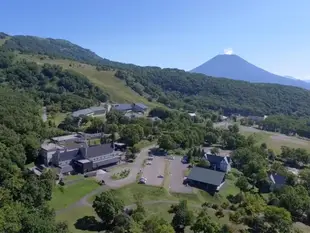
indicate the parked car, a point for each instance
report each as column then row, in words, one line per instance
column 160, row 176
column 142, row 180
column 150, row 158
column 149, row 163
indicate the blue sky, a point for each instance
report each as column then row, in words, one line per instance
column 274, row 35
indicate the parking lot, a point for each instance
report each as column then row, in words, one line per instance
column 153, row 171
column 177, row 169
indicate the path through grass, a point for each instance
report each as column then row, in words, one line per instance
column 72, row 193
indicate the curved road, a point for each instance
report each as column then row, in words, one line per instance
column 109, row 183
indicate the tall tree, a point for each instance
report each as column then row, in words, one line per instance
column 107, row 207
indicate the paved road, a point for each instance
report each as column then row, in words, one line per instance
column 44, row 115
column 131, row 178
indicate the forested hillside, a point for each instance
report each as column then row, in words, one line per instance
column 177, row 88
column 54, row 87
column 23, row 196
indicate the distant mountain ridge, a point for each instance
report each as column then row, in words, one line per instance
column 235, row 67
column 174, row 88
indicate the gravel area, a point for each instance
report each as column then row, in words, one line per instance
column 151, row 172
column 177, row 169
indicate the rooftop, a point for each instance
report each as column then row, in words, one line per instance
column 70, row 137
column 123, row 107
column 143, row 106
column 83, row 161
column 49, row 146
column 278, row 179
column 88, row 111
column 207, row 176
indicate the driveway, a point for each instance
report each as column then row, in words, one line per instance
column 177, row 169
column 151, row 172
column 131, row 178
column 134, row 170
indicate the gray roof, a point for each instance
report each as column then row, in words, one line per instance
column 216, row 159
column 207, row 176
column 108, row 161
column 86, row 111
column 143, row 106
column 69, row 155
column 98, row 150
column 97, row 109
column 82, row 112
column 123, row 107
column 278, row 179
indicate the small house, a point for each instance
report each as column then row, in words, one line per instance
column 219, row 163
column 277, row 181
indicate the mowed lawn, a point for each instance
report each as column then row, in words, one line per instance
column 72, row 193
column 116, row 88
column 71, row 217
column 275, row 141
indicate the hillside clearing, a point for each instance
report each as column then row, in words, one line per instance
column 275, row 141
column 106, row 80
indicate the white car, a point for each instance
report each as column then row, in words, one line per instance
column 142, row 180
column 149, row 163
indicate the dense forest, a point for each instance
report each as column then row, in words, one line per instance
column 23, row 196
column 177, row 88
column 56, row 88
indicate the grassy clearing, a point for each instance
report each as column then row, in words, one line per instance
column 302, row 227
column 106, row 80
column 58, row 118
column 145, row 143
column 73, row 215
column 72, row 177
column 72, row 193
column 161, row 210
column 274, row 141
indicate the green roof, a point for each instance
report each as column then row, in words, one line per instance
column 207, row 176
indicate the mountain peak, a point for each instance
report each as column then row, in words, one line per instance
column 235, row 67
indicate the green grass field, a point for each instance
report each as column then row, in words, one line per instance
column 106, row 80
column 72, row 193
column 274, row 141
column 73, row 215
column 58, row 117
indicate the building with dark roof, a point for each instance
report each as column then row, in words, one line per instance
column 219, row 163
column 84, row 158
column 206, row 179
column 135, row 107
column 277, row 181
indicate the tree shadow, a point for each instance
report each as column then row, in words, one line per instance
column 88, row 223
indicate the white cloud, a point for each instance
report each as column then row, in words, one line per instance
column 228, row 51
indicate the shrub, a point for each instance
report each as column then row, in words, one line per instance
column 224, row 205
column 233, row 207
column 215, row 206
column 219, row 213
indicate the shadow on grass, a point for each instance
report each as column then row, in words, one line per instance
column 88, row 223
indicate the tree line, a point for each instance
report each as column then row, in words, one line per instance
column 23, row 196
column 55, row 87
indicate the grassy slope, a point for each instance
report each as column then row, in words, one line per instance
column 2, row 41
column 106, row 80
column 72, row 193
column 274, row 141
